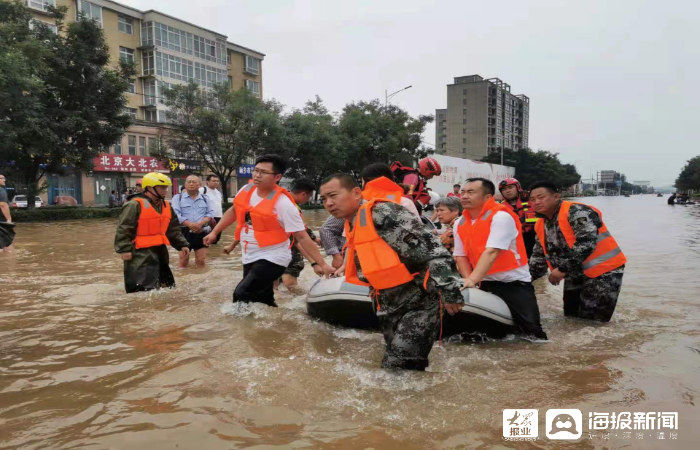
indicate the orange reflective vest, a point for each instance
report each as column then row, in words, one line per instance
column 474, row 238
column 383, row 188
column 152, row 225
column 266, row 227
column 525, row 214
column 607, row 255
column 380, row 264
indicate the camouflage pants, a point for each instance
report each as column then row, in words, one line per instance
column 296, row 265
column 409, row 319
column 593, row 298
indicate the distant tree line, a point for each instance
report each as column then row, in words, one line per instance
column 532, row 166
column 689, row 178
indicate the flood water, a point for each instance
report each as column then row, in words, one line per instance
column 83, row 364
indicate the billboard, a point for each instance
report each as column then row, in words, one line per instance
column 457, row 170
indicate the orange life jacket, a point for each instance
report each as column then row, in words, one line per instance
column 152, row 225
column 380, row 264
column 607, row 255
column 525, row 213
column 474, row 238
column 266, row 227
column 384, row 188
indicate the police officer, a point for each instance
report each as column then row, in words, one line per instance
column 516, row 199
column 574, row 243
column 146, row 225
column 410, row 274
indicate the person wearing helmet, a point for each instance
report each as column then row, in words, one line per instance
column 146, row 225
column 414, row 180
column 516, row 200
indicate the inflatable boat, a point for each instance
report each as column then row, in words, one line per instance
column 338, row 302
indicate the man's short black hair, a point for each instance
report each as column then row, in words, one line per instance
column 279, row 165
column 211, row 175
column 551, row 187
column 346, row 181
column 303, row 185
column 376, row 170
column 456, row 185
column 488, row 185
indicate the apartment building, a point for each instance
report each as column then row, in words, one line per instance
column 482, row 116
column 166, row 51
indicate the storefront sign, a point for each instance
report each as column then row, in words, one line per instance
column 245, row 170
column 106, row 162
column 180, row 166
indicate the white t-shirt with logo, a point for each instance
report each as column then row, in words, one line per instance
column 288, row 217
column 215, row 196
column 502, row 235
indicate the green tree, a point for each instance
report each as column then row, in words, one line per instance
column 689, row 178
column 532, row 166
column 370, row 132
column 220, row 127
column 312, row 142
column 60, row 103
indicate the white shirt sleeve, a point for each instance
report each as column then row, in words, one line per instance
column 409, row 205
column 459, row 246
column 503, row 231
column 289, row 215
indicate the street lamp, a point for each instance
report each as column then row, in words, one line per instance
column 387, row 96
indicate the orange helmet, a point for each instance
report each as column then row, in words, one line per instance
column 429, row 167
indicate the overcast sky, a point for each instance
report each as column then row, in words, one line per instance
column 612, row 84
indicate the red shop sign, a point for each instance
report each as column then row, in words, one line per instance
column 105, row 162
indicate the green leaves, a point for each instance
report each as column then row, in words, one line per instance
column 689, row 178
column 532, row 166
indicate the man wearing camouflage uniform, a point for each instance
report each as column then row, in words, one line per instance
column 410, row 313
column 592, row 275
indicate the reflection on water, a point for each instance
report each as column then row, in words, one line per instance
column 82, row 363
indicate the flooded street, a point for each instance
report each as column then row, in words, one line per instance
column 83, row 364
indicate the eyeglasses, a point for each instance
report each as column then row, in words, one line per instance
column 263, row 172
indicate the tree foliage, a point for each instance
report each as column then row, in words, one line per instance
column 221, row 128
column 370, row 132
column 312, row 142
column 532, row 166
column 689, row 178
column 60, row 104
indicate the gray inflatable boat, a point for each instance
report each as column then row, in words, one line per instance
column 338, row 302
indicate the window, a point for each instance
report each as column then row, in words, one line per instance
column 118, row 147
column 150, row 115
column 152, row 145
column 464, row 101
column 464, row 112
column 464, row 150
column 230, row 82
column 147, row 63
column 33, row 23
column 125, row 24
column 464, row 140
column 132, row 88
column 131, row 112
column 252, row 65
column 132, row 144
column 464, row 121
column 253, row 86
column 41, row 5
column 91, row 11
column 126, row 54
column 142, row 146
column 464, row 131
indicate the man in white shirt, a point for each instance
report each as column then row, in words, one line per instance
column 490, row 252
column 215, row 197
column 266, row 253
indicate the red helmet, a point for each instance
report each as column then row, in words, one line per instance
column 510, row 182
column 429, row 167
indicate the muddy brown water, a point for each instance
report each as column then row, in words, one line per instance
column 83, row 364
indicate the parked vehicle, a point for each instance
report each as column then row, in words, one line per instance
column 20, row 201
column 65, row 200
